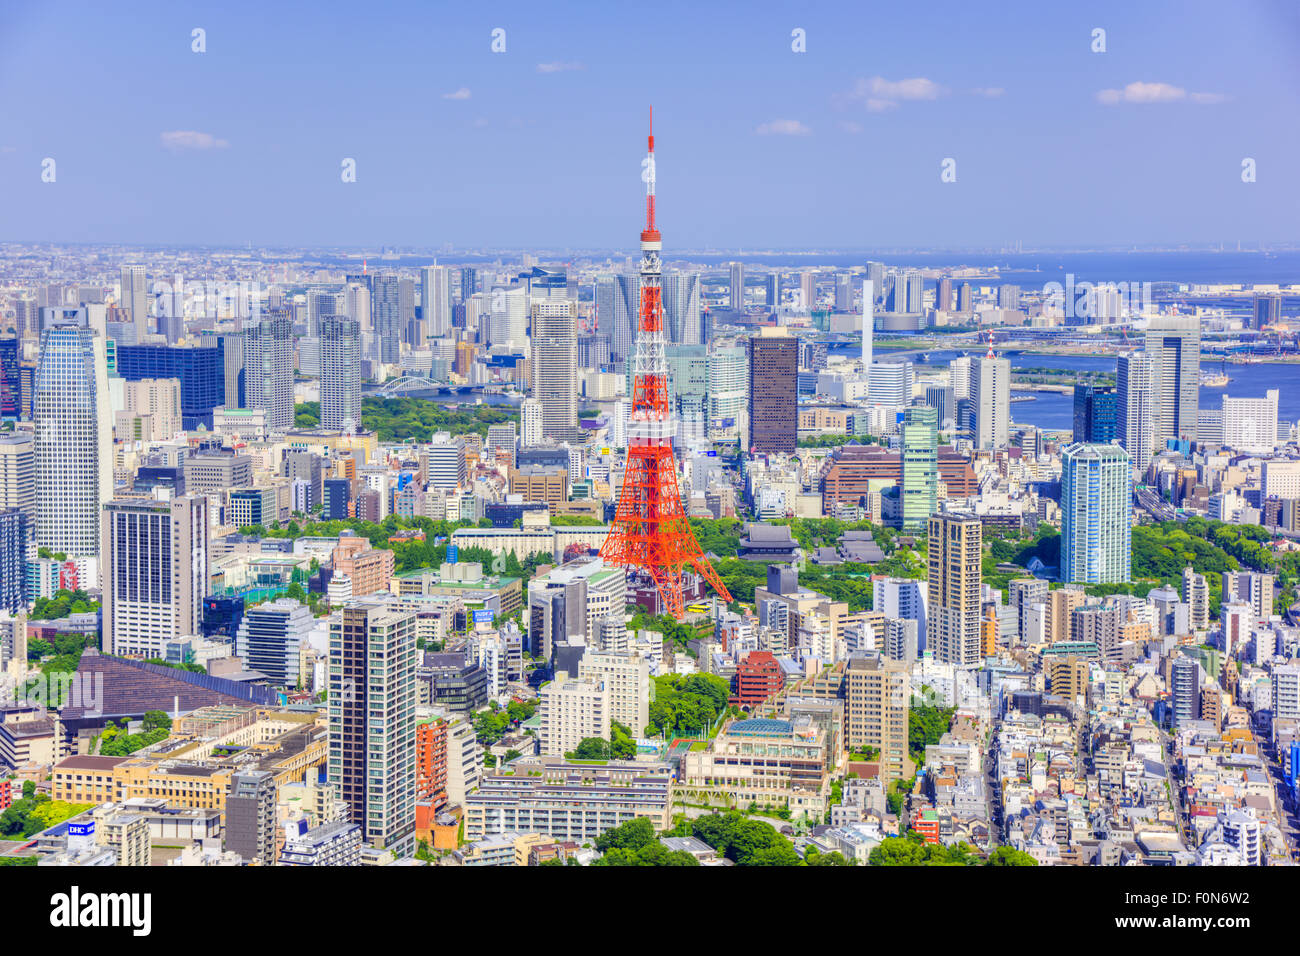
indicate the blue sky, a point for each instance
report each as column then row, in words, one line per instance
column 758, row 147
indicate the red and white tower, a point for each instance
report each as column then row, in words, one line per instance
column 650, row 533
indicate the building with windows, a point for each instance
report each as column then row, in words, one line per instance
column 155, row 573
column 773, row 392
column 953, row 626
column 270, row 637
column 1096, row 514
column 268, row 368
column 201, row 371
column 340, row 373
column 919, row 488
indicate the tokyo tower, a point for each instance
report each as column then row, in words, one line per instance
column 650, row 533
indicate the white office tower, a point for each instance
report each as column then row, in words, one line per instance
column 959, row 377
column 530, row 423
column 618, row 424
column 357, row 305
column 577, row 463
column 555, row 366
column 868, row 321
column 626, row 677
column 268, row 368
column 890, row 383
column 618, row 308
column 155, row 573
column 435, row 300
column 844, row 293
column 510, row 318
column 1250, row 424
column 1134, row 424
column 135, row 299
column 990, row 392
column 340, row 373
column 902, row 599
column 737, row 285
column 1174, row 344
column 73, row 441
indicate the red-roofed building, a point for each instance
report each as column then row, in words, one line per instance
column 758, row 677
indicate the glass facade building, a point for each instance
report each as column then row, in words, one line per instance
column 1096, row 503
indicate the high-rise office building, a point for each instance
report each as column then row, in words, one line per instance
column 773, row 392
column 877, row 695
column 270, row 639
column 943, row 294
column 808, row 291
column 372, row 695
column 1185, row 690
column 1009, row 297
column 73, row 441
column 1174, row 344
column 386, row 316
column 1095, row 414
column 155, row 573
column 1096, row 508
column 530, row 423
column 990, row 392
column 683, row 318
column 1134, row 407
column 772, row 290
column 435, row 300
column 953, row 626
column 468, row 282
column 201, row 370
column 965, row 301
column 1250, row 424
column 18, row 473
column 10, row 379
column 340, row 373
column 17, row 535
column 920, row 462
column 555, row 366
column 844, row 292
column 1267, row 311
column 251, row 816
column 135, row 299
column 268, row 368
column 890, row 383
column 737, row 285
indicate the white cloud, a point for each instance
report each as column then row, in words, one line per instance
column 1139, row 92
column 558, row 67
column 460, row 94
column 877, row 94
column 783, row 128
column 178, row 139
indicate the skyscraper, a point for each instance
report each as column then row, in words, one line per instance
column 953, row 624
column 868, row 323
column 683, row 319
column 920, row 462
column 737, row 285
column 1095, row 414
column 18, row 474
column 530, row 423
column 990, row 392
column 1174, row 344
column 16, row 538
column 555, row 366
column 1134, row 425
column 270, row 639
column 135, row 299
column 386, row 315
column 1096, row 503
column 250, row 816
column 808, row 290
column 943, row 294
column 268, row 367
column 340, row 373
column 73, row 441
column 773, row 391
column 202, row 373
column 1267, row 311
column 964, row 300
column 372, row 722
column 155, row 573
column 435, row 300
column 772, row 290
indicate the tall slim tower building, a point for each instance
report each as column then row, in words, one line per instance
column 773, row 391
column 435, row 300
column 1096, row 504
column 868, row 322
column 340, row 373
column 555, row 366
column 72, row 441
column 268, row 367
column 990, row 392
column 920, row 450
column 386, row 314
column 1134, row 407
column 250, row 816
column 1174, row 344
column 737, row 285
column 372, row 722
column 135, row 299
column 155, row 573
column 683, row 320
column 18, row 474
column 953, row 623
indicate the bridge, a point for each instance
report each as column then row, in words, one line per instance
column 410, row 383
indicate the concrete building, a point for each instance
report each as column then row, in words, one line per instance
column 954, row 588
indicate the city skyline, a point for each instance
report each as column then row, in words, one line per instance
column 844, row 142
